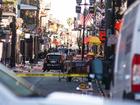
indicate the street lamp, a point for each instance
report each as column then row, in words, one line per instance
column 78, row 10
column 13, row 42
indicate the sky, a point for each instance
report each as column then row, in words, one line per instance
column 63, row 9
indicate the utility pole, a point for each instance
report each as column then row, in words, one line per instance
column 0, row 9
column 13, row 42
column 78, row 10
column 108, row 19
column 0, row 12
column 83, row 36
column 36, row 36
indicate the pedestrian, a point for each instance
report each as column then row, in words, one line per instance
column 45, row 65
column 90, row 58
column 45, row 53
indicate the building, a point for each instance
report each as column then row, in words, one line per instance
column 8, row 8
column 28, row 10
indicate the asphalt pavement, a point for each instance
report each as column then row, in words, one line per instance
column 49, row 85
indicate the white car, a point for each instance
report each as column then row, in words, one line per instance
column 126, row 82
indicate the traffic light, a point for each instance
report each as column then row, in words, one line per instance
column 18, row 6
column 78, row 9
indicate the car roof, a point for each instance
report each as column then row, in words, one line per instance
column 61, row 98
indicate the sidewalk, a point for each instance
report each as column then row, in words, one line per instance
column 21, row 68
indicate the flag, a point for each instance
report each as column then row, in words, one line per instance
column 88, row 18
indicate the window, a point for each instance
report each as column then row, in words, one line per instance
column 54, row 57
column 16, row 86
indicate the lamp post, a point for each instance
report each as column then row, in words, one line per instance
column 13, row 43
column 78, row 10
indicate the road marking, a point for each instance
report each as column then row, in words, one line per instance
column 49, row 75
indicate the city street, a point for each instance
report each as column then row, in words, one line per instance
column 76, row 46
column 48, row 85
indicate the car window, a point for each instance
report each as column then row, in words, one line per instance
column 54, row 57
column 15, row 86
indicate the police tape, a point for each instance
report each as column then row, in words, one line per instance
column 49, row 75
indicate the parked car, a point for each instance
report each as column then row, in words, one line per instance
column 53, row 61
column 126, row 82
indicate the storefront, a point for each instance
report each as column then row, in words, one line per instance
column 8, row 12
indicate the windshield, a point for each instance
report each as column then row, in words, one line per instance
column 17, row 87
column 54, row 57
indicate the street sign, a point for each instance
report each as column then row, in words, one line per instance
column 78, row 9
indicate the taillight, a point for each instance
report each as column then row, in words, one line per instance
column 136, row 74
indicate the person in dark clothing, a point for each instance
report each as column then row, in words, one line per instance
column 108, row 72
column 90, row 58
column 44, row 65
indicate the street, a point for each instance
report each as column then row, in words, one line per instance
column 48, row 85
column 51, row 84
column 76, row 46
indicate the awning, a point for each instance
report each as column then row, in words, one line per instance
column 28, row 7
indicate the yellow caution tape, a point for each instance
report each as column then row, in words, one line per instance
column 49, row 75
